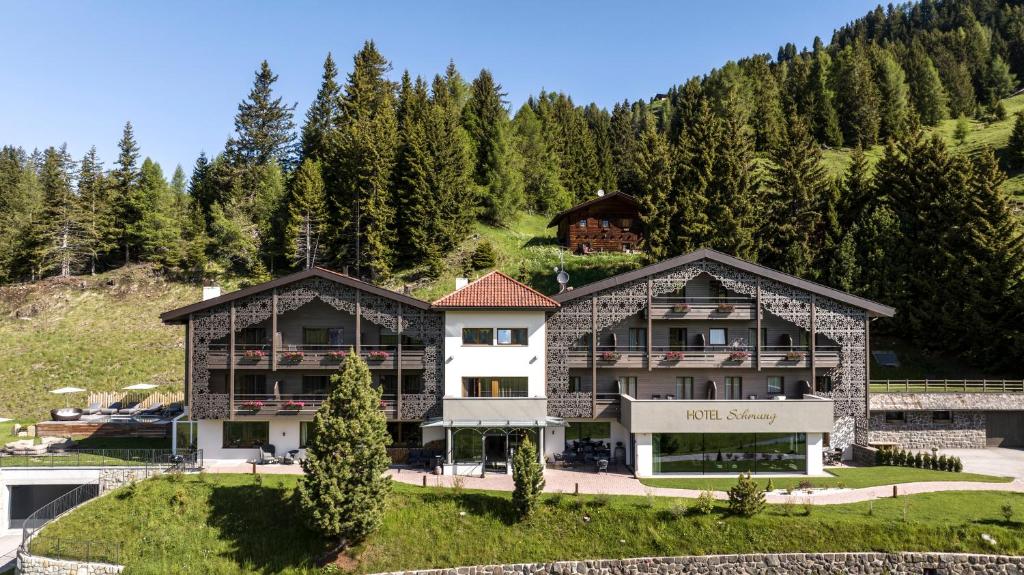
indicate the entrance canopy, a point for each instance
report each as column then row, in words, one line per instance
column 547, row 422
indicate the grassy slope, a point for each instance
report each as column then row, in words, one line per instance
column 851, row 477
column 228, row 524
column 995, row 135
column 99, row 333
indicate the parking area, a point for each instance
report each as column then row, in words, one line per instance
column 991, row 460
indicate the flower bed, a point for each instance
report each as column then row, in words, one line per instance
column 726, row 308
column 674, row 356
column 254, row 354
column 337, row 355
column 794, row 355
column 292, row 356
column 739, row 355
column 611, row 356
column 681, row 308
column 378, row 355
column 293, row 405
column 252, row 405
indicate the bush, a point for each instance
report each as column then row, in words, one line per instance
column 919, row 460
column 1007, row 511
column 926, row 461
column 770, row 486
column 528, row 477
column 705, row 503
column 483, row 256
column 746, row 498
column 943, row 463
column 958, row 465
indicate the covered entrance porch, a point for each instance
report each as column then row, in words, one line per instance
column 478, row 448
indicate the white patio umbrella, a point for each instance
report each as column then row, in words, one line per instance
column 5, row 419
column 140, row 386
column 65, row 391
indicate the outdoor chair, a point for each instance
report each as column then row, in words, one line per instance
column 267, row 456
column 602, row 465
column 131, row 409
column 151, row 412
column 111, row 409
column 93, row 409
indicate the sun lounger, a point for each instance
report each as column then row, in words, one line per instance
column 93, row 409
column 132, row 409
column 111, row 409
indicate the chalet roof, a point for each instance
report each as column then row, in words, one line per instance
column 874, row 308
column 599, row 199
column 496, row 291
column 181, row 314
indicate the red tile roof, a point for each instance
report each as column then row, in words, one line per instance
column 496, row 291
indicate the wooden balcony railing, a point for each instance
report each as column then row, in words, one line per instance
column 706, row 357
column 296, row 404
column 704, row 308
column 314, row 356
column 947, row 386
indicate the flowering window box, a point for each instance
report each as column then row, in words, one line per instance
column 378, row 355
column 252, row 405
column 293, row 405
column 739, row 356
column 337, row 355
column 726, row 308
column 794, row 355
column 253, row 354
column 610, row 356
column 292, row 356
column 674, row 356
column 681, row 308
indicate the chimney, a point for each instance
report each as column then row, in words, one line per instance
column 461, row 283
column 406, row 289
column 210, row 292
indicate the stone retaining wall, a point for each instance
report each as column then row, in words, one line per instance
column 921, row 431
column 790, row 563
column 947, row 401
column 33, row 565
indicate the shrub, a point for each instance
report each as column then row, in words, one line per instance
column 746, row 498
column 1007, row 511
column 679, row 510
column 958, row 465
column 705, row 503
column 483, row 256
column 528, row 477
column 804, row 484
column 943, row 463
column 770, row 486
column 808, row 507
column 926, row 461
column 919, row 460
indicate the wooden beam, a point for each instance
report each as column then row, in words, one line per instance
column 593, row 356
column 398, row 366
column 813, row 342
column 650, row 325
column 231, row 364
column 757, row 334
column 189, row 352
column 359, row 327
column 273, row 332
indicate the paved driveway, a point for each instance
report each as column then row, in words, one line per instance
column 991, row 460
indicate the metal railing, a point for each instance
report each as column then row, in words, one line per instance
column 947, row 386
column 65, row 548
column 102, row 458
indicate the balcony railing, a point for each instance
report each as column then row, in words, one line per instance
column 708, row 356
column 314, row 356
column 947, row 386
column 732, row 308
column 296, row 404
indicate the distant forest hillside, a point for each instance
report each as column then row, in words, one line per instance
column 389, row 180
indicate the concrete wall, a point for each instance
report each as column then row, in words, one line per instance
column 10, row 477
column 761, row 564
column 284, row 436
column 663, row 381
column 494, row 360
column 921, row 431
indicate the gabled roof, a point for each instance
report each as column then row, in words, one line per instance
column 495, row 291
column 599, row 199
column 181, row 314
column 874, row 308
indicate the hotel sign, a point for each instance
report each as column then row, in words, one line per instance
column 810, row 415
column 768, row 417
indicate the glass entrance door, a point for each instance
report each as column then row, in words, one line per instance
column 496, row 453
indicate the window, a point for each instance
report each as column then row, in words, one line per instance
column 677, row 338
column 605, row 224
column 637, row 338
column 252, row 336
column 718, row 291
column 494, row 386
column 764, row 336
column 716, row 336
column 582, row 223
column 251, row 384
column 305, row 433
column 626, row 223
column 512, row 336
column 315, row 384
column 627, row 385
column 729, row 452
column 575, row 384
column 823, row 383
column 588, row 430
column 803, row 338
column 895, row 417
column 336, row 336
column 942, row 416
column 314, row 336
column 245, row 434
column 412, row 383
column 684, row 388
column 776, row 385
column 734, row 388
column 389, row 384
column 477, row 336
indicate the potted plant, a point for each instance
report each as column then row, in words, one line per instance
column 292, row 356
column 292, row 405
column 726, row 308
column 337, row 355
column 610, row 356
column 379, row 355
column 681, row 308
column 252, row 405
column 739, row 355
column 253, row 354
column 794, row 355
column 674, row 356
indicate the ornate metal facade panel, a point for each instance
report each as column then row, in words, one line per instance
column 215, row 323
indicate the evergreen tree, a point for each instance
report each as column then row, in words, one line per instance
column 736, row 185
column 418, row 204
column 97, row 216
column 129, row 206
column 857, row 98
column 453, row 208
column 159, row 229
column 57, row 237
column 541, row 167
column 264, row 130
column 894, row 94
column 962, row 130
column 695, row 160
column 496, row 166
column 599, row 125
column 199, row 186
column 656, row 172
column 21, row 203
column 1014, row 151
column 345, row 487
column 766, row 117
column 623, row 148
column 307, row 215
column 926, row 90
column 857, row 190
column 528, row 478
column 999, row 81
column 319, row 130
column 824, row 117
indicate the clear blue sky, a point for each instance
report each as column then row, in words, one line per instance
column 75, row 71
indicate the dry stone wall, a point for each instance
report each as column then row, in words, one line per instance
column 947, row 401
column 920, row 430
column 34, row 565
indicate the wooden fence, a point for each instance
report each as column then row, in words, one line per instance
column 947, row 386
column 147, row 398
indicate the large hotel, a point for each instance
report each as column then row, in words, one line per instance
column 703, row 363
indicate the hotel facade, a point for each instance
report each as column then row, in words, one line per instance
column 700, row 364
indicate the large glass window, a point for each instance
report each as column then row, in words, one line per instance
column 314, row 336
column 494, row 387
column 775, row 385
column 512, row 336
column 245, row 434
column 684, row 387
column 730, row 453
column 315, row 384
column 677, row 338
column 251, row 384
column 716, row 336
column 477, row 336
column 468, row 446
column 252, row 336
column 588, row 431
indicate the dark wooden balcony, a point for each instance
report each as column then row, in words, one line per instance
column 706, row 308
column 675, row 357
column 306, row 404
column 313, row 357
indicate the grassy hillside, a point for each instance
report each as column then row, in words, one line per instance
column 994, row 135
column 100, row 333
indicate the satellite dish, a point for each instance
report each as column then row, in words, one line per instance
column 600, row 193
column 563, row 278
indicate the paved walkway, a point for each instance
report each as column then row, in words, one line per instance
column 567, row 481
column 9, row 543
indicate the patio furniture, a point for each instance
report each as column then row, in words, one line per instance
column 93, row 409
column 602, row 465
column 131, row 409
column 267, row 456
column 151, row 413
column 111, row 409
column 66, row 414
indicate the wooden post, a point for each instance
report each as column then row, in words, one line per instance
column 593, row 357
column 398, row 365
column 813, row 343
column 757, row 335
column 359, row 328
column 273, row 332
column 650, row 325
column 231, row 366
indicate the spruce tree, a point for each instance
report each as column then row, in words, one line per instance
column 894, row 94
column 999, row 81
column 766, row 118
column 159, row 230
column 731, row 198
column 97, row 216
column 318, row 132
column 926, row 90
column 58, row 234
column 824, row 118
column 307, row 215
column 1014, row 152
column 418, row 204
column 264, row 129
column 496, row 171
column 528, row 478
column 129, row 206
column 623, row 147
column 345, row 487
column 656, row 172
column 453, row 209
column 857, row 99
column 599, row 125
column 696, row 155
column 541, row 166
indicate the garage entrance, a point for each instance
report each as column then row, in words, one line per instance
column 26, row 499
column 1004, row 429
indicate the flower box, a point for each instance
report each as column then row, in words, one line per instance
column 337, row 355
column 378, row 355
column 739, row 355
column 254, row 354
column 794, row 355
column 674, row 356
column 292, row 356
column 681, row 308
column 293, row 405
column 726, row 308
column 611, row 356
column 252, row 405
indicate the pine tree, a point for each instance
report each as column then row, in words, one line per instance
column 656, row 172
column 623, row 148
column 1014, row 151
column 857, row 98
column 766, row 118
column 129, row 206
column 695, row 160
column 599, row 125
column 57, row 236
column 528, row 478
column 21, row 203
column 926, row 90
column 97, row 216
column 736, row 185
column 307, row 215
column 894, row 94
column 857, row 189
column 999, row 81
column 159, row 230
column 318, row 132
column 453, row 208
column 264, row 130
column 496, row 171
column 345, row 487
column 418, row 213
column 962, row 130
column 824, row 118
column 541, row 167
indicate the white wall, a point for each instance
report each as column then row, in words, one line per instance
column 284, row 436
column 39, row 476
column 494, row 360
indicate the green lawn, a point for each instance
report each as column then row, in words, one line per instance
column 851, row 477
column 229, row 524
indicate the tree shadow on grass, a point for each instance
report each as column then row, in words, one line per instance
column 539, row 241
column 264, row 528
column 480, row 504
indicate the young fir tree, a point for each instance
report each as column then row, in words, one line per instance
column 999, row 81
column 345, row 487
column 926, row 90
column 129, row 205
column 159, row 230
column 264, row 130
column 1014, row 152
column 496, row 171
column 528, row 478
column 656, row 172
column 58, row 232
column 962, row 130
column 318, row 132
column 94, row 199
column 894, row 94
column 307, row 215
